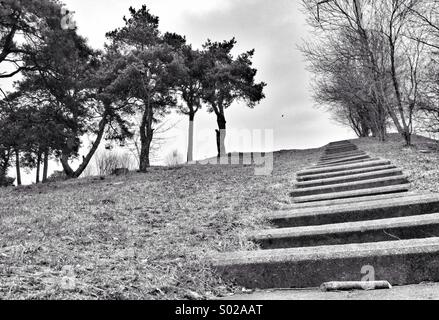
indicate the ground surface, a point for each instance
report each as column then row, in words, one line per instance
column 423, row 172
column 422, row 169
column 418, row 292
column 146, row 236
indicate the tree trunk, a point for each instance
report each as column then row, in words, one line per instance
column 408, row 138
column 66, row 167
column 17, row 166
column 146, row 135
column 86, row 160
column 373, row 67
column 5, row 157
column 221, row 135
column 190, row 149
column 46, row 165
column 38, row 167
column 403, row 128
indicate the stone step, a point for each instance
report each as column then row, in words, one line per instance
column 332, row 151
column 401, row 228
column 329, row 165
column 350, row 186
column 346, row 159
column 340, row 146
column 353, row 194
column 399, row 262
column 350, row 178
column 409, row 205
column 339, row 142
column 330, row 203
column 344, row 173
column 345, row 167
column 343, row 155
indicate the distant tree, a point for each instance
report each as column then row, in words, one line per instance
column 190, row 83
column 228, row 80
column 33, row 130
column 386, row 38
column 78, row 80
column 148, row 71
column 343, row 84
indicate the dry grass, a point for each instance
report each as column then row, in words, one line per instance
column 145, row 236
column 422, row 169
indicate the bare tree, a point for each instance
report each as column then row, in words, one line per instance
column 384, row 40
column 344, row 83
column 428, row 21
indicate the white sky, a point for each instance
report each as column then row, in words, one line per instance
column 274, row 28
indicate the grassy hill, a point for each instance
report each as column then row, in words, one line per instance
column 146, row 236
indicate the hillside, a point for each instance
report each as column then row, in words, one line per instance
column 145, row 236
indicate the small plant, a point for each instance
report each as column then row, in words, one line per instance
column 108, row 163
column 57, row 176
column 174, row 159
column 6, row 182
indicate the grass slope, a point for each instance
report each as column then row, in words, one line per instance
column 422, row 169
column 146, row 236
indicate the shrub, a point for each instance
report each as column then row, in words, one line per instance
column 57, row 176
column 174, row 159
column 6, row 181
column 107, row 163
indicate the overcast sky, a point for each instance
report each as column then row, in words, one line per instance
column 274, row 28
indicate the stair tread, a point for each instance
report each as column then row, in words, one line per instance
column 397, row 247
column 362, row 184
column 329, row 165
column 353, row 194
column 349, row 227
column 342, row 207
column 360, row 177
column 340, row 174
column 364, row 205
column 359, row 157
column 345, row 167
column 331, row 203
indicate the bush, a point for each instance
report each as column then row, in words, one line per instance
column 174, row 159
column 107, row 163
column 6, row 182
column 57, row 176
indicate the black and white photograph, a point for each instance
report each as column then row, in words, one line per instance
column 221, row 155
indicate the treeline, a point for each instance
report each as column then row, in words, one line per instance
column 68, row 90
column 375, row 63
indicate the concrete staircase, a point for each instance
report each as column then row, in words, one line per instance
column 351, row 211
